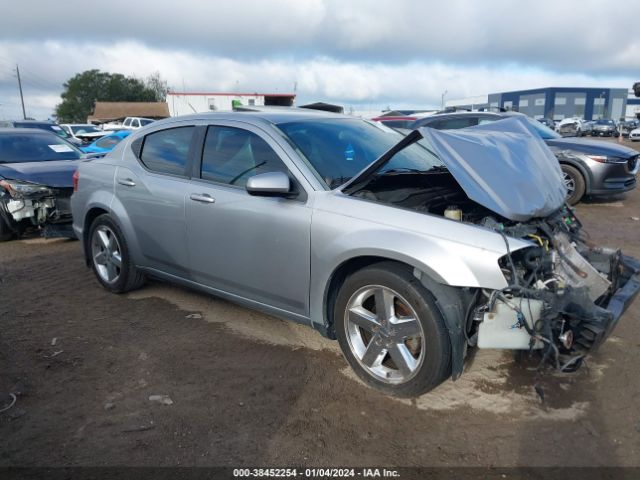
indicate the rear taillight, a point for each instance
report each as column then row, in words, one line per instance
column 76, row 179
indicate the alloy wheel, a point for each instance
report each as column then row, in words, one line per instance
column 106, row 253
column 384, row 334
column 569, row 183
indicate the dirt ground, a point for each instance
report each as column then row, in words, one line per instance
column 248, row 389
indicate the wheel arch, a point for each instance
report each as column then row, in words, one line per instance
column 450, row 301
column 119, row 215
column 89, row 218
column 584, row 171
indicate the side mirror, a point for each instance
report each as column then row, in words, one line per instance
column 270, row 184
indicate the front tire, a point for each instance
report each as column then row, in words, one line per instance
column 574, row 182
column 391, row 331
column 109, row 256
column 6, row 232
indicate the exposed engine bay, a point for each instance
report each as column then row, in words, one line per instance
column 25, row 205
column 564, row 294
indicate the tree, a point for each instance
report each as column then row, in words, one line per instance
column 155, row 83
column 636, row 89
column 84, row 89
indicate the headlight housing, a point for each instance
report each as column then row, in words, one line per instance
column 18, row 189
column 606, row 159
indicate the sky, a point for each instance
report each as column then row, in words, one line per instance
column 363, row 54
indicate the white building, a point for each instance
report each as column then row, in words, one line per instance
column 185, row 103
column 633, row 106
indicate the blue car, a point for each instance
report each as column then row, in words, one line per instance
column 105, row 144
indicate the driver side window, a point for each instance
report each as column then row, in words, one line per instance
column 233, row 155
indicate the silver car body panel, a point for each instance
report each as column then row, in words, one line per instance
column 504, row 166
column 302, row 242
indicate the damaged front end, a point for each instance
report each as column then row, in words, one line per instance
column 565, row 294
column 26, row 205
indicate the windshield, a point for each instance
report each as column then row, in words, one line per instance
column 604, row 122
column 339, row 149
column 545, row 132
column 80, row 129
column 35, row 148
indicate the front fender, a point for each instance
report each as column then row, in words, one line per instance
column 466, row 257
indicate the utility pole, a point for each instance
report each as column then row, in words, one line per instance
column 442, row 99
column 24, row 115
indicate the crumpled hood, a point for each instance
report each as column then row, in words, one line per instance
column 591, row 147
column 56, row 173
column 504, row 166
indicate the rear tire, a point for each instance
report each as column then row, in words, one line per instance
column 405, row 351
column 110, row 258
column 574, row 181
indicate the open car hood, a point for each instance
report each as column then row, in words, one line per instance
column 503, row 165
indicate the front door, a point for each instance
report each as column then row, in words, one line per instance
column 254, row 247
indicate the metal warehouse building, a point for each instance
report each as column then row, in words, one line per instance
column 555, row 102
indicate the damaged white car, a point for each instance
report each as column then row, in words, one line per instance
column 408, row 251
column 36, row 182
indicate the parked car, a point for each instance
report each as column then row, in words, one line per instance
column 36, row 170
column 547, row 122
column 571, row 127
column 129, row 123
column 625, row 128
column 587, row 126
column 106, row 143
column 634, row 135
column 83, row 132
column 396, row 122
column 410, row 250
column 46, row 125
column 604, row 128
column 589, row 167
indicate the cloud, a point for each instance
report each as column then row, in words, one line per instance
column 375, row 84
column 580, row 35
column 359, row 52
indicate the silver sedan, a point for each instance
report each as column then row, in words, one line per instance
column 410, row 251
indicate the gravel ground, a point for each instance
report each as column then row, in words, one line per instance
column 248, row 389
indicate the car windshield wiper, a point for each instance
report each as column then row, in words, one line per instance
column 398, row 171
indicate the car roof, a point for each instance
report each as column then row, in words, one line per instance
column 476, row 112
column 30, row 131
column 267, row 116
column 33, row 122
column 382, row 119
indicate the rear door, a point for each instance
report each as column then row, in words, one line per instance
column 250, row 246
column 152, row 188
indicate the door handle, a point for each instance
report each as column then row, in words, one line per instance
column 127, row 182
column 203, row 198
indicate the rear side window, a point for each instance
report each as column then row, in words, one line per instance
column 232, row 155
column 167, row 151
